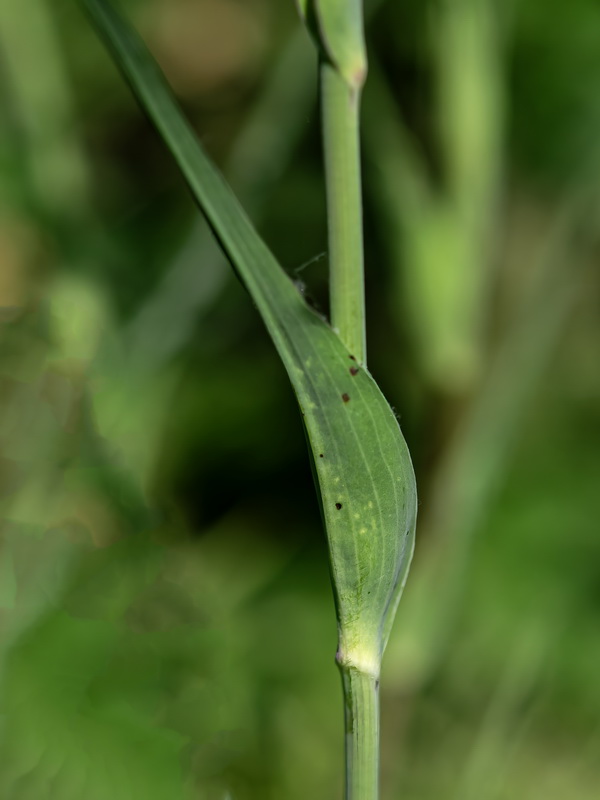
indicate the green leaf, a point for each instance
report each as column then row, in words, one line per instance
column 361, row 460
column 338, row 27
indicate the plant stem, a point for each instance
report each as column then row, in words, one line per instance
column 361, row 696
column 341, row 139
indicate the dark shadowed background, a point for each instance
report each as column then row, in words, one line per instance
column 167, row 622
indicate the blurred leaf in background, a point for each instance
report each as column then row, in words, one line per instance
column 167, row 623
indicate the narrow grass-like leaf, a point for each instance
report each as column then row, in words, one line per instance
column 363, row 466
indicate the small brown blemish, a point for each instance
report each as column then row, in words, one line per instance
column 353, row 371
column 346, row 397
column 338, row 506
column 352, row 357
column 321, row 455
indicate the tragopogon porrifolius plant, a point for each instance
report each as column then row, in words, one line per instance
column 363, row 470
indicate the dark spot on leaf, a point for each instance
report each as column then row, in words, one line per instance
column 353, row 371
column 352, row 357
column 377, row 685
column 320, row 455
column 338, row 506
column 346, row 397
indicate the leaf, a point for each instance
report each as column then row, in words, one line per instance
column 337, row 26
column 361, row 460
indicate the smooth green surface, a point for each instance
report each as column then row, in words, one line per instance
column 361, row 693
column 362, row 462
column 341, row 141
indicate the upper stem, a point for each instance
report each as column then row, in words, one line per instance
column 361, row 696
column 341, row 139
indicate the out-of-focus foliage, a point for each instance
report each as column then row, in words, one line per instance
column 166, row 617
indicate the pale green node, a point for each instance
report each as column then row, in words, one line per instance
column 338, row 28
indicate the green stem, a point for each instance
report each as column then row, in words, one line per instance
column 341, row 139
column 361, row 696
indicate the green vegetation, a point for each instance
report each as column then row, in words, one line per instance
column 364, row 473
column 167, row 624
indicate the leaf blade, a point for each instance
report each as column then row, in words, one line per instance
column 362, row 463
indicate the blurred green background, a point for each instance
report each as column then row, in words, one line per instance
column 167, row 622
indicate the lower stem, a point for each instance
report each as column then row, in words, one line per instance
column 361, row 699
